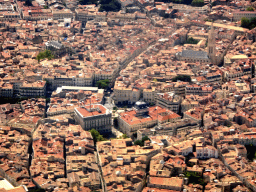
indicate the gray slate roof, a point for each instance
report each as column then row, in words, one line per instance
column 194, row 54
column 54, row 44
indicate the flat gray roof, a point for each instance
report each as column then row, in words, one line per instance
column 5, row 184
column 94, row 89
column 194, row 54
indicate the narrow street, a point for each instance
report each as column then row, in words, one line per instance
column 116, row 132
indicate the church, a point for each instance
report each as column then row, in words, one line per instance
column 201, row 56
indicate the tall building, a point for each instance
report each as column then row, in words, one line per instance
column 212, row 46
column 94, row 116
column 144, row 117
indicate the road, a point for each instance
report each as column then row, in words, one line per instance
column 109, row 103
column 116, row 132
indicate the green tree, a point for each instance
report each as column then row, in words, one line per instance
column 115, row 122
column 36, row 190
column 28, row 3
column 151, row 104
column 249, row 9
column 228, row 123
column 197, row 3
column 110, row 5
column 145, row 138
column 213, row 3
column 44, row 54
column 96, row 136
column 251, row 152
column 245, row 22
column 142, row 141
column 139, row 142
column 88, row 2
column 194, row 178
column 185, row 78
column 124, row 136
column 191, row 40
column 102, row 84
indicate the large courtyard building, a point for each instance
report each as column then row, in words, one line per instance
column 201, row 56
column 94, row 116
column 193, row 56
column 169, row 101
column 144, row 117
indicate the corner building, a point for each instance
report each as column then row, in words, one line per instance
column 94, row 116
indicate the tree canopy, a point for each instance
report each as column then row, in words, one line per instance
column 251, row 152
column 96, row 136
column 248, row 23
column 197, row 3
column 109, row 5
column 102, row 84
column 36, row 190
column 249, row 9
column 28, row 3
column 88, row 2
column 185, row 78
column 187, row 2
column 141, row 142
column 124, row 136
column 194, row 178
column 191, row 40
column 45, row 54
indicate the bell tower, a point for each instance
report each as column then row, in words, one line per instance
column 211, row 46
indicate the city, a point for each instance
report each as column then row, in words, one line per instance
column 127, row 95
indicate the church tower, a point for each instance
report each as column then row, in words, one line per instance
column 211, row 46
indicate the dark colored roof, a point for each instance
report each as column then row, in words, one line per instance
column 194, row 54
column 140, row 105
column 54, row 44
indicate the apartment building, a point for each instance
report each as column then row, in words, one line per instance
column 9, row 16
column 63, row 80
column 149, row 95
column 238, row 15
column 89, row 12
column 62, row 14
column 237, row 69
column 178, row 87
column 106, row 74
column 169, row 100
column 125, row 156
column 171, row 183
column 36, row 89
column 195, row 114
column 189, row 9
column 36, row 13
column 201, row 90
column 213, row 77
column 188, row 104
column 179, row 127
column 125, row 93
column 7, row 90
column 206, row 152
column 94, row 116
column 144, row 117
